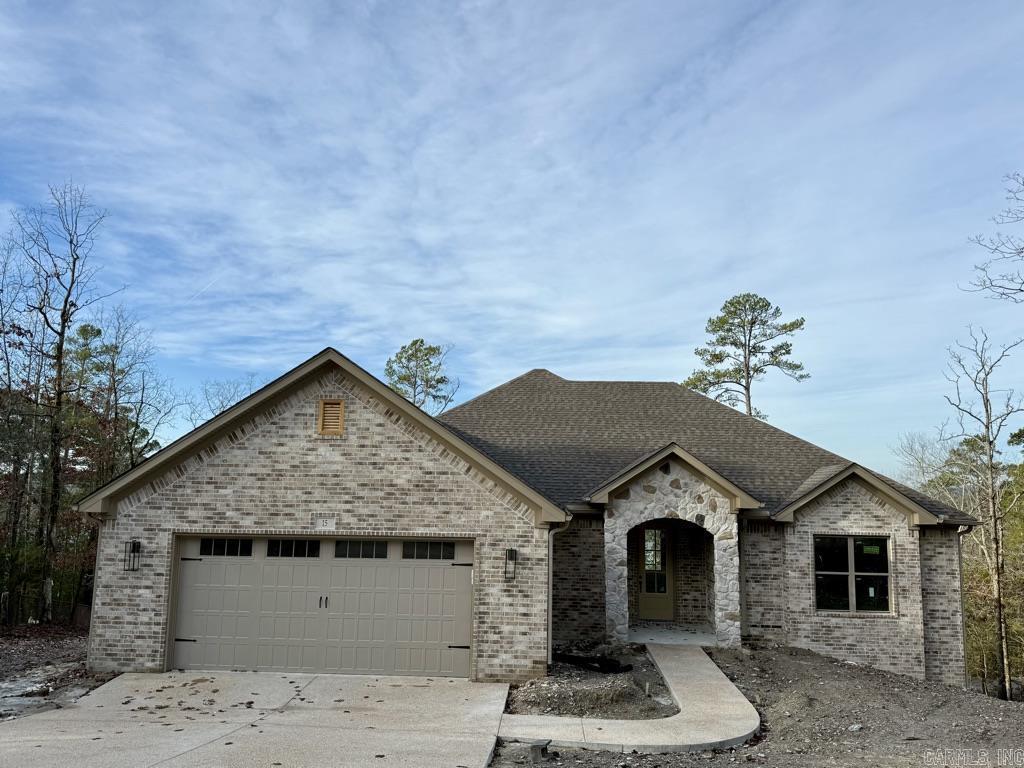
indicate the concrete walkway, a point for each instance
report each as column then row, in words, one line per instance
column 713, row 714
column 248, row 719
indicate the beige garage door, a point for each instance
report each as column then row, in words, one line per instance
column 359, row 606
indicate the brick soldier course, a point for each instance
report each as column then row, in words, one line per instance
column 568, row 475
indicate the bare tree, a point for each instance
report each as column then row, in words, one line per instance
column 1001, row 275
column 217, row 395
column 983, row 414
column 56, row 241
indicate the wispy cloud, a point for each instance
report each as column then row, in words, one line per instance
column 574, row 186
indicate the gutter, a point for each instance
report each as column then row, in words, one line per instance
column 552, row 530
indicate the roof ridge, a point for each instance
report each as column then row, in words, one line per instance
column 500, row 386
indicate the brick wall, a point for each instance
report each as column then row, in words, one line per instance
column 272, row 473
column 893, row 641
column 762, row 568
column 577, row 590
column 942, row 605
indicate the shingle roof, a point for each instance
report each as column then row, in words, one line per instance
column 564, row 438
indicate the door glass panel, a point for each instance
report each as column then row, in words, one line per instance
column 653, row 560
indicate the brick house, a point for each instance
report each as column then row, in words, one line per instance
column 326, row 524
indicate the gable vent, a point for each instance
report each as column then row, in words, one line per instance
column 331, row 419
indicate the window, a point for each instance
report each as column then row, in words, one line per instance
column 355, row 548
column 226, row 547
column 331, row 417
column 851, row 573
column 655, row 578
column 428, row 550
column 293, row 548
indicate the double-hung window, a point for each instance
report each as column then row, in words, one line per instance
column 851, row 573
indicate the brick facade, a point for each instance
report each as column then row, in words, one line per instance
column 942, row 606
column 922, row 636
column 272, row 474
column 577, row 588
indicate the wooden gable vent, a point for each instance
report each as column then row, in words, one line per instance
column 331, row 419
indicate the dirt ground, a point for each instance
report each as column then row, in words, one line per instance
column 42, row 667
column 818, row 712
column 571, row 690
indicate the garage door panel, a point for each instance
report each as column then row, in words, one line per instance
column 364, row 614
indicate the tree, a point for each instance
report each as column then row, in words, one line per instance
column 56, row 241
column 983, row 413
column 747, row 339
column 1001, row 275
column 955, row 471
column 217, row 395
column 417, row 372
column 80, row 402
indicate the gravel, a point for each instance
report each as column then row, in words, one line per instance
column 570, row 690
column 817, row 711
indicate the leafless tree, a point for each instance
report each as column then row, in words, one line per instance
column 56, row 242
column 1001, row 275
column 983, row 413
column 217, row 395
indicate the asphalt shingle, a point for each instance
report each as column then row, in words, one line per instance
column 564, row 438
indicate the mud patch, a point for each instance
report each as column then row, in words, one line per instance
column 573, row 691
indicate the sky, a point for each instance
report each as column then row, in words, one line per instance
column 574, row 186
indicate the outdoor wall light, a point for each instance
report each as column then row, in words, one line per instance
column 132, row 553
column 510, row 564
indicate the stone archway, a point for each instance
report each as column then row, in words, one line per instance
column 672, row 491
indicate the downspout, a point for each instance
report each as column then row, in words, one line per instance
column 552, row 530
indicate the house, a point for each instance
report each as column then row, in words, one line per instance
column 324, row 523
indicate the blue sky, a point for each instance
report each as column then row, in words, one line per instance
column 575, row 186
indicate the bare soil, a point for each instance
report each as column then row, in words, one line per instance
column 42, row 667
column 571, row 690
column 816, row 712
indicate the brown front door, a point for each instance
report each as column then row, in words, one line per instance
column 656, row 577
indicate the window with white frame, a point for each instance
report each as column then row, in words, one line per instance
column 851, row 573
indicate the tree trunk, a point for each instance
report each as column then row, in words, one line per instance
column 1003, row 655
column 56, row 475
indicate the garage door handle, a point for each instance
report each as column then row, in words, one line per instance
column 184, row 640
column 464, row 565
column 465, row 647
column 327, row 601
column 321, row 601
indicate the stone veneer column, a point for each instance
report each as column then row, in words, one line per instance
column 678, row 494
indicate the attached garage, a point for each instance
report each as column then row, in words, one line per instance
column 348, row 605
column 322, row 524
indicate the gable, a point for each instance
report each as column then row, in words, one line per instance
column 852, row 473
column 252, row 421
column 736, row 496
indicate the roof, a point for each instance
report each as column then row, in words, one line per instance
column 98, row 500
column 567, row 438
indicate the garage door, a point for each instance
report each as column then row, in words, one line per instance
column 361, row 606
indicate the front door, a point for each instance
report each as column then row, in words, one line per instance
column 656, row 577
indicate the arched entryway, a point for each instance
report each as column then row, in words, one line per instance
column 697, row 526
column 671, row 575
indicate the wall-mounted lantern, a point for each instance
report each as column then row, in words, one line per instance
column 132, row 554
column 510, row 564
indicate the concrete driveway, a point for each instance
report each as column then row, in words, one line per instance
column 253, row 720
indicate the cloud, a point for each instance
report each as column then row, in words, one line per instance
column 573, row 186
